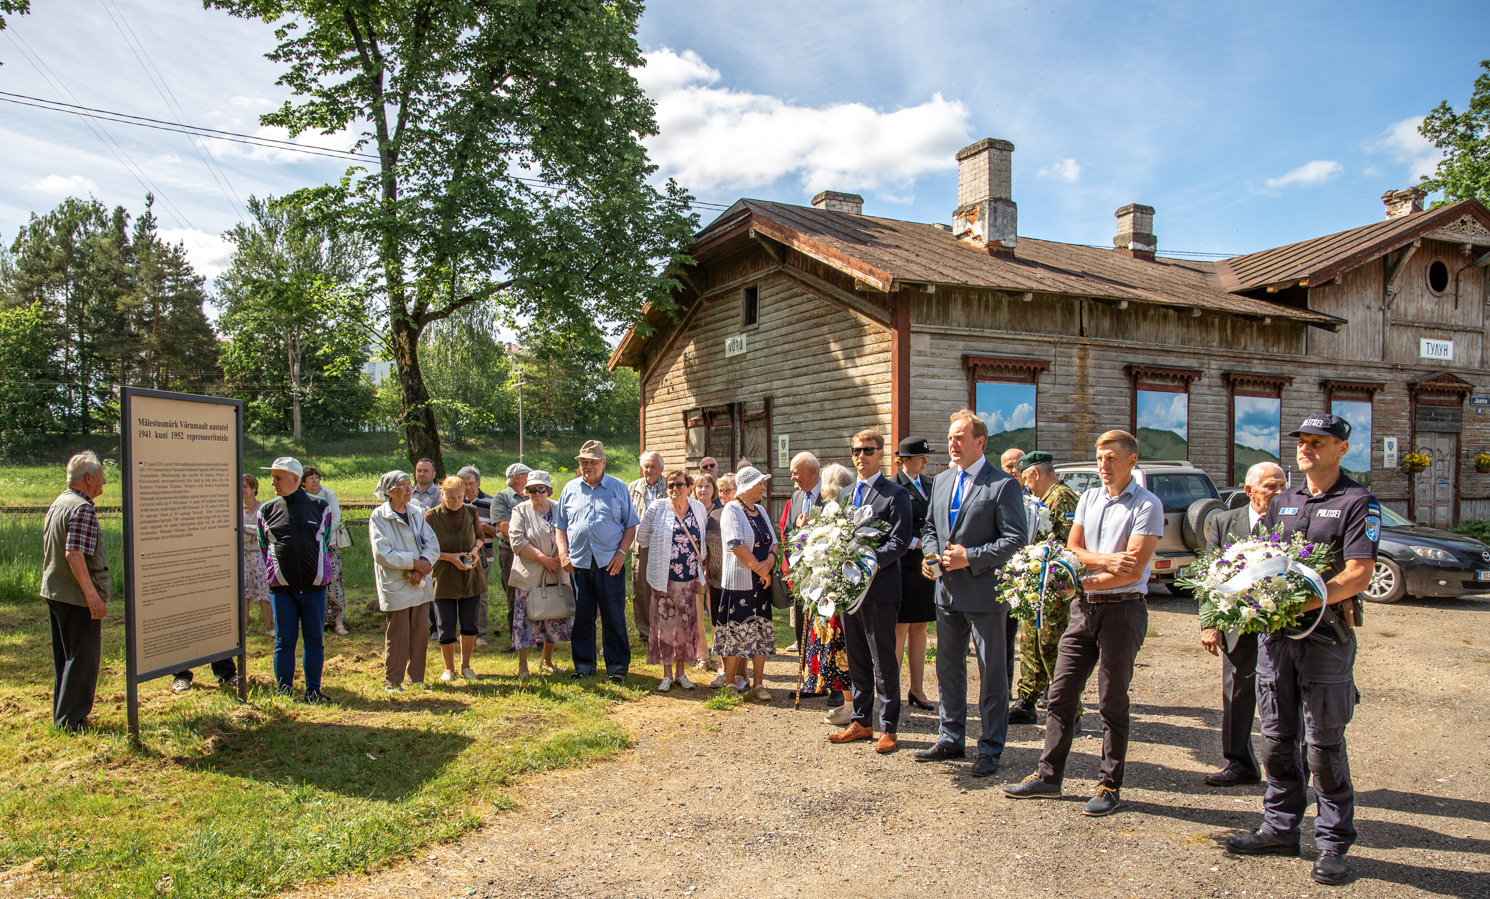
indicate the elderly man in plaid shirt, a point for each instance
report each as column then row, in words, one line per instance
column 75, row 583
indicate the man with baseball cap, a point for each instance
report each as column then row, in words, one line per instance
column 1313, row 671
column 596, row 525
column 1039, row 646
column 295, row 536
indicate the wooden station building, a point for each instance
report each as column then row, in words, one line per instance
column 801, row 325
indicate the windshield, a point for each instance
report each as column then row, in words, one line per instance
column 1178, row 491
column 1395, row 520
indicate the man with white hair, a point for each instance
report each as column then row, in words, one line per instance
column 645, row 491
column 1239, row 651
column 75, row 583
column 807, row 477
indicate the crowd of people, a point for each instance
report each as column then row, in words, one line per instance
column 704, row 552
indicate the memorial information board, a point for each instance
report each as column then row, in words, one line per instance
column 183, row 506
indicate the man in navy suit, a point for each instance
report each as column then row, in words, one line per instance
column 976, row 522
column 869, row 633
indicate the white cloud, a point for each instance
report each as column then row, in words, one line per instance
column 1066, row 170
column 1022, row 417
column 244, row 118
column 1170, row 414
column 209, row 254
column 713, row 138
column 1404, row 144
column 1258, row 438
column 1317, row 171
column 69, row 186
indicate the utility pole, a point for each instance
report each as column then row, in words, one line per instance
column 519, row 371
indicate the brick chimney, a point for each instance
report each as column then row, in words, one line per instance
column 1135, row 232
column 986, row 215
column 1403, row 202
column 833, row 201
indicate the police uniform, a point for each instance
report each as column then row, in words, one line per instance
column 1311, row 680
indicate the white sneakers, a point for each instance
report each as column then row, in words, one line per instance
column 684, row 682
column 468, row 673
column 667, row 684
column 447, row 676
column 840, row 716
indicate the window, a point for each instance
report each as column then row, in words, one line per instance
column 1178, row 491
column 1161, row 411
column 1438, row 276
column 1351, row 400
column 1256, row 420
column 1080, row 481
column 1003, row 391
column 750, row 307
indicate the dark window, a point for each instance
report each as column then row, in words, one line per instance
column 1080, row 481
column 1438, row 276
column 1178, row 491
column 750, row 306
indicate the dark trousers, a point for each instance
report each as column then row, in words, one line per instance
column 1317, row 680
column 1107, row 637
column 1239, row 702
column 873, row 670
column 455, row 616
column 504, row 560
column 596, row 590
column 1011, row 636
column 223, row 668
column 299, row 615
column 77, row 645
column 985, row 630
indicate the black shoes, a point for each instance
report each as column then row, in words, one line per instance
column 617, row 678
column 1032, row 787
column 1259, row 843
column 941, row 752
column 921, row 704
column 985, row 766
column 180, row 685
column 1022, row 711
column 1330, row 869
column 1230, row 777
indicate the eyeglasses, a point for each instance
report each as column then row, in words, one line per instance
column 865, row 450
column 678, row 485
column 538, row 489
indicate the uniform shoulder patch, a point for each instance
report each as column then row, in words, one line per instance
column 1373, row 528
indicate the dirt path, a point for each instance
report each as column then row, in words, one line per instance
column 755, row 803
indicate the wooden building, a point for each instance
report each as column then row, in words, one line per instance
column 800, row 325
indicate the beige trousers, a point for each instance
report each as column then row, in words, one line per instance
column 405, row 644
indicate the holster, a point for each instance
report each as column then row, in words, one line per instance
column 1335, row 628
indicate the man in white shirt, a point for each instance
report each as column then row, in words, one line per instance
column 807, row 476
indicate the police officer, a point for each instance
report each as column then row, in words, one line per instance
column 1314, row 675
column 1037, row 647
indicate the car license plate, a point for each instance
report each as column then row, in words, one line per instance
column 1482, row 575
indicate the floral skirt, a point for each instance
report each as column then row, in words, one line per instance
column 672, row 624
column 742, row 627
column 255, row 578
column 527, row 634
column 824, row 659
column 336, row 594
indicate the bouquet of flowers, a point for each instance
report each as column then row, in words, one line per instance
column 1036, row 577
column 1260, row 585
column 1038, row 516
column 831, row 558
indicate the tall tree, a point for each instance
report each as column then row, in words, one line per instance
column 172, row 344
column 1464, row 138
column 29, row 373
column 468, row 373
column 509, row 164
column 291, row 343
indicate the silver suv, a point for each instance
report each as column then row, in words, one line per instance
column 1189, row 497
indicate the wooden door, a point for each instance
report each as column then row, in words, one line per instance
column 1434, row 489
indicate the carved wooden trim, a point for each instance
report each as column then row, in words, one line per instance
column 1441, row 382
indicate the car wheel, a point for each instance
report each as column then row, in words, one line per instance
column 1192, row 524
column 1387, row 584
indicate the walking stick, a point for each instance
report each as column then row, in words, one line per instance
column 801, row 664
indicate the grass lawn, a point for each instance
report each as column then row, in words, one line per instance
column 350, row 466
column 247, row 799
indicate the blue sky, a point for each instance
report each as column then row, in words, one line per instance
column 1164, row 411
column 1245, row 125
column 1258, row 424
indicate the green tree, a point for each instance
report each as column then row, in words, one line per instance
column 1464, row 138
column 468, row 373
column 171, row 344
column 29, row 373
column 294, row 349
column 507, row 135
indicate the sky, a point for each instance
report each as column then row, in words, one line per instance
column 1245, row 125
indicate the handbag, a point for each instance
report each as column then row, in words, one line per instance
column 343, row 537
column 547, row 602
column 781, row 597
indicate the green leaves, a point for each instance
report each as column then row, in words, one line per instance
column 1464, row 138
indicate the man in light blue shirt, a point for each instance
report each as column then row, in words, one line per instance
column 596, row 525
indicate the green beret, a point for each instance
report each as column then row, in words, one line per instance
column 1031, row 459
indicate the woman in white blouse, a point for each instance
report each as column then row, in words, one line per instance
column 743, row 627
column 674, row 530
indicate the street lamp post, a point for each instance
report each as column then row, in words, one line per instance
column 519, row 372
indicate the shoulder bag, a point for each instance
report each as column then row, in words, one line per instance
column 780, row 593
column 343, row 537
column 549, row 601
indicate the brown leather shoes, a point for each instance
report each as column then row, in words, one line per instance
column 855, row 731
column 885, row 744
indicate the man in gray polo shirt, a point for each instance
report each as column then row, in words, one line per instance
column 1116, row 528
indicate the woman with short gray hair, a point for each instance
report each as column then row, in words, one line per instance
column 405, row 550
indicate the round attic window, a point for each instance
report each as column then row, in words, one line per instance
column 1438, row 276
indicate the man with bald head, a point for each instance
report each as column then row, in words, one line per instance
column 1239, row 651
column 645, row 490
column 1009, row 461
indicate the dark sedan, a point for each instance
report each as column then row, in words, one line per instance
column 1415, row 560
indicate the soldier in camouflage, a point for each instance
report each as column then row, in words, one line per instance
column 1037, row 647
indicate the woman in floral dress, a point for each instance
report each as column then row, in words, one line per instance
column 743, row 629
column 824, row 658
column 535, row 556
column 674, row 529
column 255, row 579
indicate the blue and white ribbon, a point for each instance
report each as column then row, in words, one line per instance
column 1279, row 566
column 1045, row 566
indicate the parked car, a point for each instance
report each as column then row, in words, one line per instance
column 1416, row 560
column 1189, row 496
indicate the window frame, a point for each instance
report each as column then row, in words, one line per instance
column 1428, row 276
column 1159, row 379
column 750, row 307
column 1005, row 370
column 1251, row 384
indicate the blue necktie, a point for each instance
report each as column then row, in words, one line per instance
column 859, row 495
column 956, row 501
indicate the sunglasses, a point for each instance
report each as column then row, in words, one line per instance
column 678, row 485
column 865, row 450
column 537, row 489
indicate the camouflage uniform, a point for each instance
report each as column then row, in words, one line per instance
column 1037, row 648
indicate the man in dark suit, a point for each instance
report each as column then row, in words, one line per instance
column 807, row 476
column 975, row 524
column 1239, row 651
column 869, row 633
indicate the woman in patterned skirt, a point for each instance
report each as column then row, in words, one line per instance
column 742, row 628
column 673, row 529
column 336, row 591
column 255, row 579
column 824, row 658
column 535, row 556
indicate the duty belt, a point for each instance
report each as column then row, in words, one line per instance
column 1110, row 597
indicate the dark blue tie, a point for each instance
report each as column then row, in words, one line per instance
column 956, row 501
column 859, row 495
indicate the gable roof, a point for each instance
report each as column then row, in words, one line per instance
column 1322, row 258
